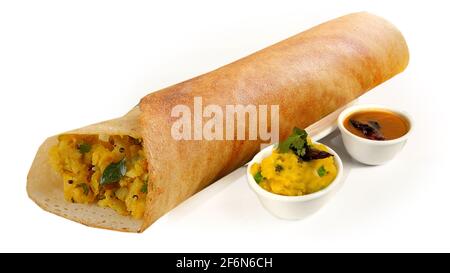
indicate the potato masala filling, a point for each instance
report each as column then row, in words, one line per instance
column 110, row 171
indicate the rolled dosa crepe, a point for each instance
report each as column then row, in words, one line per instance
column 308, row 75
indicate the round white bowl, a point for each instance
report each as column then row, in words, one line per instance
column 372, row 152
column 293, row 207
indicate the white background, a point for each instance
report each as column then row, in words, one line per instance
column 66, row 64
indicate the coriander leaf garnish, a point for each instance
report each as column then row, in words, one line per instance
column 84, row 148
column 322, row 171
column 258, row 177
column 113, row 173
column 297, row 142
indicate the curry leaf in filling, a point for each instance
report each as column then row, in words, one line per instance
column 144, row 187
column 85, row 188
column 113, row 173
column 84, row 148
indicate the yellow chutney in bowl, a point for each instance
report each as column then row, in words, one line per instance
column 295, row 178
column 284, row 174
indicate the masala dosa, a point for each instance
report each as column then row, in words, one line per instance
column 308, row 75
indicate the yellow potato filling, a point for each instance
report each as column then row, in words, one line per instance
column 285, row 174
column 110, row 171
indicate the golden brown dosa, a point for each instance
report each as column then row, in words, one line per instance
column 308, row 75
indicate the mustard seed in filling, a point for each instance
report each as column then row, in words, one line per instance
column 110, row 171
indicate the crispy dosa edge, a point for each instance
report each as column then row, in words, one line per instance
column 45, row 185
column 309, row 75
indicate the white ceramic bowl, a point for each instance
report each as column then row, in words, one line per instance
column 293, row 207
column 372, row 152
